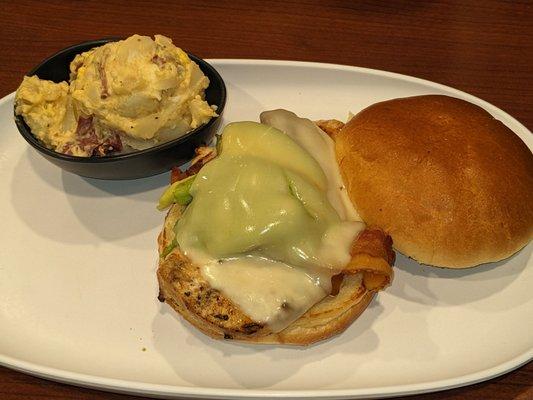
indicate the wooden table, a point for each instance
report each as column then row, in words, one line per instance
column 484, row 48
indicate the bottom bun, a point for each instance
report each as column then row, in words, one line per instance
column 326, row 319
column 183, row 287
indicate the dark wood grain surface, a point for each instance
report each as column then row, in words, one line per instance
column 482, row 47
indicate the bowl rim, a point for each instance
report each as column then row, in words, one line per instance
column 26, row 133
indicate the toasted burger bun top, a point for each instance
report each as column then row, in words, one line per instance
column 452, row 185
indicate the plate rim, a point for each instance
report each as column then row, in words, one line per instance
column 136, row 387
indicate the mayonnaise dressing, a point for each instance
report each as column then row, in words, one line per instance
column 269, row 224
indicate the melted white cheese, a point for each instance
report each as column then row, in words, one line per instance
column 322, row 148
column 268, row 291
column 273, row 292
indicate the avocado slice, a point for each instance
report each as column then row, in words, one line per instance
column 178, row 193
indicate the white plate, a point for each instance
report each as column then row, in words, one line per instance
column 78, row 289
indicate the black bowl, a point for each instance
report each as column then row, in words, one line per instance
column 137, row 164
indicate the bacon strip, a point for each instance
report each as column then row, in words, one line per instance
column 372, row 255
column 203, row 156
column 176, row 174
column 330, row 126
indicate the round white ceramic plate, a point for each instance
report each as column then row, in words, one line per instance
column 78, row 288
